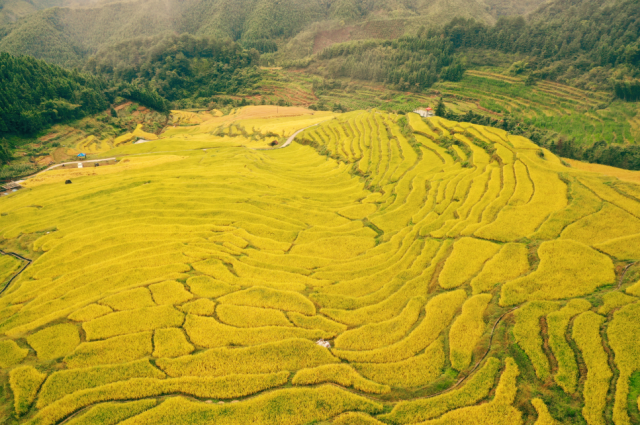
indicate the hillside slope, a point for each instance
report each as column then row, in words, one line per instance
column 66, row 35
column 425, row 251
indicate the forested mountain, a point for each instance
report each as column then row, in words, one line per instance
column 68, row 35
column 581, row 42
column 178, row 67
column 12, row 10
column 34, row 94
column 584, row 43
column 410, row 63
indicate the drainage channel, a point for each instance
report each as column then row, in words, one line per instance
column 19, row 257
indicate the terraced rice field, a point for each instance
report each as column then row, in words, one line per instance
column 584, row 116
column 587, row 116
column 461, row 275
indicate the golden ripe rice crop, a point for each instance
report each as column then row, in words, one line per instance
column 366, row 273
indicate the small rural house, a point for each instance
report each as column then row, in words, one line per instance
column 82, row 156
column 425, row 112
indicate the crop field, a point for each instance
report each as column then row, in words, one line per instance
column 458, row 273
column 573, row 113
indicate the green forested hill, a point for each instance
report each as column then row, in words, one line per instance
column 34, row 95
column 12, row 10
column 68, row 35
column 178, row 67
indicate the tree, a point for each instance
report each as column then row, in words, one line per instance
column 441, row 110
column 530, row 81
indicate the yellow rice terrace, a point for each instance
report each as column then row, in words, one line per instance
column 379, row 269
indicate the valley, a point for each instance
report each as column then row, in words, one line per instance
column 319, row 212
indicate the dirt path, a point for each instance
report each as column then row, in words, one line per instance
column 64, row 163
column 19, row 257
column 293, row 136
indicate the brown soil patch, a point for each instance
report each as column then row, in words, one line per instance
column 324, row 39
column 124, row 105
column 45, row 160
column 49, row 137
column 382, row 29
column 59, row 155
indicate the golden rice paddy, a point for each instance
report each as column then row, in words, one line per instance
column 381, row 269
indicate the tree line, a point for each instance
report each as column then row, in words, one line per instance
column 601, row 152
column 152, row 71
column 408, row 63
column 178, row 67
column 591, row 44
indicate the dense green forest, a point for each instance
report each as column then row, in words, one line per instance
column 588, row 44
column 583, row 43
column 69, row 35
column 410, row 63
column 35, row 94
column 179, row 67
column 152, row 71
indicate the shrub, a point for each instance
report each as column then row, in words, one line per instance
column 25, row 382
column 55, row 341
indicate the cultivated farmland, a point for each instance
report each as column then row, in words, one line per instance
column 460, row 275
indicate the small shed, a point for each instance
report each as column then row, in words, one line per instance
column 12, row 186
column 425, row 112
column 82, row 156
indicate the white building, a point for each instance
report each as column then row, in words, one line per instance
column 425, row 113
